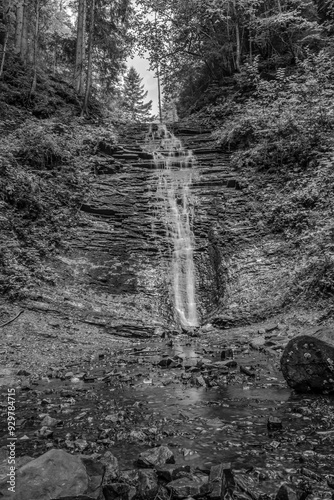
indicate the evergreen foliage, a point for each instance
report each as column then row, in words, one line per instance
column 89, row 53
column 134, row 95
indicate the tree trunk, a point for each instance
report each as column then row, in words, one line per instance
column 250, row 38
column 80, row 48
column 238, row 47
column 34, row 81
column 308, row 361
column 159, row 95
column 24, row 39
column 90, row 59
column 19, row 26
column 54, row 62
column 7, row 7
column 4, row 49
column 83, row 48
column 237, row 37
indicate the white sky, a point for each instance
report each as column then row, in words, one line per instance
column 151, row 85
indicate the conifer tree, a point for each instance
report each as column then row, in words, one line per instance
column 134, row 95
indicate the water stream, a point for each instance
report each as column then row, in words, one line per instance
column 143, row 405
column 175, row 208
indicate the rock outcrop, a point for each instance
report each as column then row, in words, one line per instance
column 122, row 261
column 117, row 273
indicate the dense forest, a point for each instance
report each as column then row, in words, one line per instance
column 198, row 49
column 167, row 282
column 259, row 73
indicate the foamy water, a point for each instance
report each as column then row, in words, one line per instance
column 174, row 164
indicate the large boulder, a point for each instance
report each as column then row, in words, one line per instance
column 308, row 361
column 56, row 475
column 4, row 465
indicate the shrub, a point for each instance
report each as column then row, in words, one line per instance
column 313, row 281
column 282, row 146
column 249, row 75
column 288, row 121
column 44, row 178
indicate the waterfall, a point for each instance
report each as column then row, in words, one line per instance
column 175, row 208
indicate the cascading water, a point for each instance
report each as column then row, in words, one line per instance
column 175, row 208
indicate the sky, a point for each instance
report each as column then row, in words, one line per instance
column 150, row 83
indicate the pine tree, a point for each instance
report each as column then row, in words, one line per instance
column 134, row 95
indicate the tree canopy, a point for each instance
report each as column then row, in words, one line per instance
column 196, row 46
column 199, row 44
column 85, row 42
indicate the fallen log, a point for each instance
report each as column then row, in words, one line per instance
column 307, row 362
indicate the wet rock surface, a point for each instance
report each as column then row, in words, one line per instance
column 115, row 276
column 226, row 430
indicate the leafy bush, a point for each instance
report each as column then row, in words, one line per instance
column 44, row 177
column 282, row 147
column 39, row 146
column 313, row 281
column 249, row 76
column 287, row 122
column 213, row 115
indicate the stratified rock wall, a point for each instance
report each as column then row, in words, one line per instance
column 119, row 263
column 242, row 271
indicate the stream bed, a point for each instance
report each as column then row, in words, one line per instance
column 180, row 392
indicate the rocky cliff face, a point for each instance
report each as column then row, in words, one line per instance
column 117, row 273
